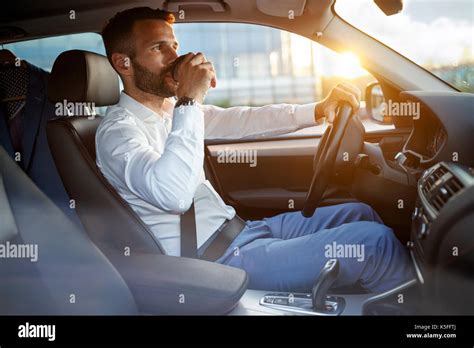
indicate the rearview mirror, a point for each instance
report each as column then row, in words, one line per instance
column 390, row 7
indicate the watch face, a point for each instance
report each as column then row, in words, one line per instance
column 185, row 101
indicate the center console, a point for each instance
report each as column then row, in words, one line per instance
column 439, row 185
column 442, row 240
column 441, row 246
column 316, row 303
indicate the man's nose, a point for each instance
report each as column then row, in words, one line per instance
column 171, row 56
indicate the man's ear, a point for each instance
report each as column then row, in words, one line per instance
column 122, row 63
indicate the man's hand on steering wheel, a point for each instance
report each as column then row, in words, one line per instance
column 342, row 92
column 339, row 107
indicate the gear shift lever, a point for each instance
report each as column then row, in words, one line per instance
column 326, row 278
column 318, row 303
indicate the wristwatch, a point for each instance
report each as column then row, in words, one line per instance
column 185, row 101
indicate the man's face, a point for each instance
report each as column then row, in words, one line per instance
column 155, row 48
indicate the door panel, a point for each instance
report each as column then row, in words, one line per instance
column 271, row 148
column 269, row 175
column 261, row 178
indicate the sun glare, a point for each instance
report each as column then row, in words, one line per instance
column 348, row 66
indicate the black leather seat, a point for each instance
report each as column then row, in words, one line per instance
column 80, row 76
column 155, row 279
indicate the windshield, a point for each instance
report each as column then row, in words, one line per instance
column 436, row 34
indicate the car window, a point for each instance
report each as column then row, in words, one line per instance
column 438, row 35
column 258, row 65
column 43, row 52
column 273, row 66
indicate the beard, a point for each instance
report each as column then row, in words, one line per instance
column 153, row 83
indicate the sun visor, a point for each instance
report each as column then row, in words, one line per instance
column 282, row 8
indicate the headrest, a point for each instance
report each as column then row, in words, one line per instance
column 82, row 76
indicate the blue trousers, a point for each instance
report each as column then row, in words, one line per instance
column 286, row 252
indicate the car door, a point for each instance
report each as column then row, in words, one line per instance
column 265, row 176
column 261, row 178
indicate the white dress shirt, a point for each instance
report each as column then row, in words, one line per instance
column 155, row 162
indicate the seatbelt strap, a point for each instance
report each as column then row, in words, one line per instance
column 33, row 150
column 225, row 236
column 188, row 233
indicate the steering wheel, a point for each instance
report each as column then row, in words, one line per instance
column 325, row 158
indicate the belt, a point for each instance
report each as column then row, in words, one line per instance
column 224, row 236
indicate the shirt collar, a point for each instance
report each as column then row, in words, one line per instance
column 141, row 111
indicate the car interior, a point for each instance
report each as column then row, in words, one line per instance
column 98, row 257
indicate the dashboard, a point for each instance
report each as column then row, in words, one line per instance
column 435, row 142
column 428, row 137
column 444, row 131
column 441, row 146
column 443, row 218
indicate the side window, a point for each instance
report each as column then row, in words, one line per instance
column 43, row 52
column 258, row 65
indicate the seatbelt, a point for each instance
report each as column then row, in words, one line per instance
column 33, row 150
column 225, row 235
column 188, row 233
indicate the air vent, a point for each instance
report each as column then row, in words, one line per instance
column 440, row 186
column 439, row 172
column 454, row 185
column 433, row 178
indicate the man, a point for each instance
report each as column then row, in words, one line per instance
column 152, row 153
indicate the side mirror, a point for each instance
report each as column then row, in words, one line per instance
column 375, row 103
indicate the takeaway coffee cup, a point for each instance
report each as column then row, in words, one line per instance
column 175, row 66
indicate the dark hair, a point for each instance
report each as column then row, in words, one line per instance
column 118, row 30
